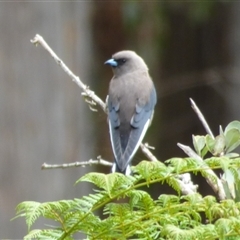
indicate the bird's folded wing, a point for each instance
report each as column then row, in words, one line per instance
column 139, row 125
column 114, row 123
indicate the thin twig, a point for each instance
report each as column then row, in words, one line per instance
column 90, row 162
column 145, row 149
column 201, row 118
column 87, row 92
column 210, row 177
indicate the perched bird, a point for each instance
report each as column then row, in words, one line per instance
column 131, row 100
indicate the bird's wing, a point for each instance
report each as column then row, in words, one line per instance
column 114, row 124
column 139, row 123
column 126, row 143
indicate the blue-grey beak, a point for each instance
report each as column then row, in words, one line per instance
column 111, row 62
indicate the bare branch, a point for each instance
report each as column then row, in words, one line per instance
column 201, row 118
column 90, row 162
column 190, row 152
column 210, row 177
column 145, row 149
column 87, row 92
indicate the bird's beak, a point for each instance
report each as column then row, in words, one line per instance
column 111, row 62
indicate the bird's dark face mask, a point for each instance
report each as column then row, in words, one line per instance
column 116, row 62
column 117, row 65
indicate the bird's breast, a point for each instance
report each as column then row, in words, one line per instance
column 128, row 91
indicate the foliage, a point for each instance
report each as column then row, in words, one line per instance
column 131, row 213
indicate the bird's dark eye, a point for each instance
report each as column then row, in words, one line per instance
column 121, row 61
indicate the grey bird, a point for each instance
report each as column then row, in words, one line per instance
column 131, row 101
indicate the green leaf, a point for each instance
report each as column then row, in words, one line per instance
column 231, row 155
column 198, row 143
column 232, row 137
column 210, row 143
column 204, row 151
column 232, row 125
column 219, row 145
column 228, row 184
column 215, row 146
column 237, row 187
column 221, row 130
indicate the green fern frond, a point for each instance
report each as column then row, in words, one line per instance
column 181, row 165
column 228, row 227
column 111, row 183
column 32, row 211
column 88, row 202
column 45, row 234
column 167, row 200
column 174, row 183
column 141, row 200
column 192, row 199
column 208, row 202
column 235, row 162
column 34, row 234
column 218, row 162
column 200, row 232
column 151, row 170
column 230, row 208
column 236, row 174
column 114, row 209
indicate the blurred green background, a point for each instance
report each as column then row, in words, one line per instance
column 192, row 50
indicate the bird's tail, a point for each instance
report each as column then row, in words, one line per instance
column 126, row 171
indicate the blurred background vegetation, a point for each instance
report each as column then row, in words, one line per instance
column 192, row 50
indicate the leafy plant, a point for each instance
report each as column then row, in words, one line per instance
column 139, row 216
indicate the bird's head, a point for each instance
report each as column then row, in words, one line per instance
column 124, row 62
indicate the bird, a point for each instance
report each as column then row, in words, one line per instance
column 130, row 102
